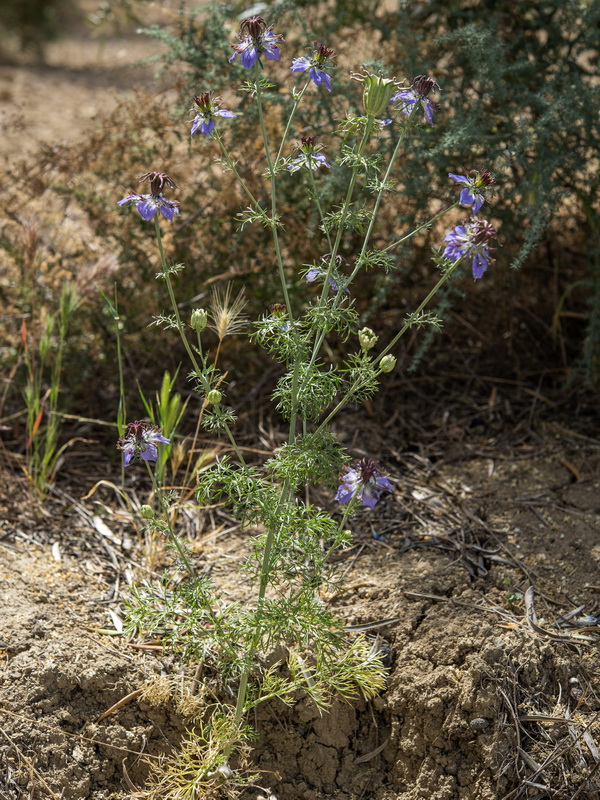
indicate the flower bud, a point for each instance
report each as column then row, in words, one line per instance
column 367, row 338
column 214, row 397
column 387, row 363
column 198, row 320
column 147, row 512
column 377, row 93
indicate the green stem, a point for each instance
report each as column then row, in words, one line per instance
column 167, row 277
column 231, row 164
column 289, row 123
column 313, row 186
column 238, row 452
column 446, row 276
column 167, row 516
column 421, row 227
column 271, row 168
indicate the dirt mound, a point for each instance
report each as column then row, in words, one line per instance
column 487, row 696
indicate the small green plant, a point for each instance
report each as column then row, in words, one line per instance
column 167, row 415
column 292, row 540
column 512, row 597
column 43, row 365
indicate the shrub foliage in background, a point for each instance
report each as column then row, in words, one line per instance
column 519, row 98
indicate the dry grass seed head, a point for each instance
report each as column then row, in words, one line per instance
column 226, row 314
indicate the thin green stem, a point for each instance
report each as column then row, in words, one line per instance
column 445, row 277
column 167, row 277
column 313, row 187
column 255, row 641
column 231, row 438
column 421, row 227
column 231, row 164
column 165, row 510
column 297, row 100
column 271, row 169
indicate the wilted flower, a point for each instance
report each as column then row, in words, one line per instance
column 309, row 157
column 420, row 88
column 315, row 65
column 471, row 240
column 148, row 204
column 206, row 108
column 365, row 481
column 474, row 187
column 140, row 440
column 256, row 39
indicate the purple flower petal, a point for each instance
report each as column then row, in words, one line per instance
column 207, row 126
column 466, row 198
column 479, row 201
column 147, row 208
column 300, row 64
column 149, row 452
column 249, row 57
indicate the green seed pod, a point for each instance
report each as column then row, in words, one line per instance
column 214, row 397
column 147, row 512
column 377, row 93
column 387, row 363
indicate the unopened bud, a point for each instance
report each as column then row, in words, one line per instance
column 214, row 397
column 367, row 338
column 387, row 363
column 198, row 320
column 147, row 512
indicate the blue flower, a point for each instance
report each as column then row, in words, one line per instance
column 315, row 274
column 256, row 39
column 474, row 187
column 147, row 205
column 420, row 88
column 471, row 240
column 314, row 66
column 365, row 481
column 140, row 440
column 206, row 108
column 309, row 156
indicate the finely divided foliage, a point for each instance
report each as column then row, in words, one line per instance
column 292, row 539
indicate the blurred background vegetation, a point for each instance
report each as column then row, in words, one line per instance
column 520, row 97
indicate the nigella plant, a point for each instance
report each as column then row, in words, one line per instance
column 254, row 40
column 315, row 65
column 311, row 318
column 140, row 440
column 149, row 204
column 418, row 93
column 471, row 240
column 206, row 107
column 309, row 156
column 475, row 186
